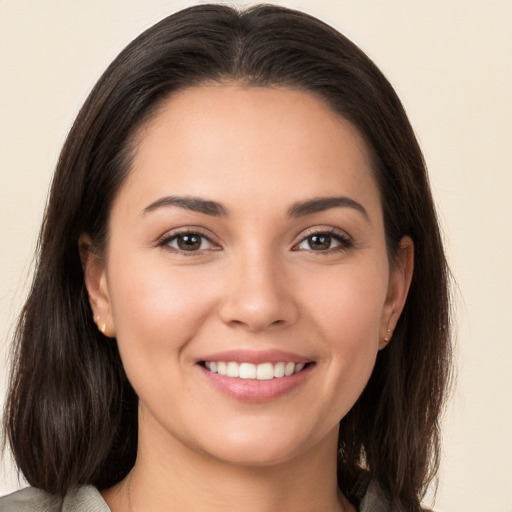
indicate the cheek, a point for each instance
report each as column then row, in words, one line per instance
column 347, row 314
column 156, row 312
column 348, row 304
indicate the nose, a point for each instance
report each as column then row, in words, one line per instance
column 258, row 295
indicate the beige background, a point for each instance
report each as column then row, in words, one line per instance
column 450, row 61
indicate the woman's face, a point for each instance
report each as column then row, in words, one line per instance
column 248, row 239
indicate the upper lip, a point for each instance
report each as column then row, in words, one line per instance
column 256, row 356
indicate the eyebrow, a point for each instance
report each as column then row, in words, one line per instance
column 299, row 209
column 194, row 204
column 321, row 204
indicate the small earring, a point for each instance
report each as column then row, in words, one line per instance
column 103, row 328
column 388, row 337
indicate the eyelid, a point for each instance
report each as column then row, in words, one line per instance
column 346, row 241
column 163, row 241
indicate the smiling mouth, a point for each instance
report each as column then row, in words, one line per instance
column 263, row 371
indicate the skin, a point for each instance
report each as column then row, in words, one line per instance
column 257, row 285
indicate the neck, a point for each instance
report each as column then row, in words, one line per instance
column 170, row 476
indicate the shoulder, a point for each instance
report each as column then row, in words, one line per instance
column 376, row 499
column 30, row 499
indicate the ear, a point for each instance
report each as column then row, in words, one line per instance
column 95, row 277
column 398, row 288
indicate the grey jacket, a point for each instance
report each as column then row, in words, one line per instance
column 88, row 499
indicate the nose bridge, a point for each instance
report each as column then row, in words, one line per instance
column 258, row 295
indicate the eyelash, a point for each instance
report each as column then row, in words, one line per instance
column 168, row 238
column 344, row 241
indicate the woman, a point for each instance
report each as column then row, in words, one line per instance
column 241, row 296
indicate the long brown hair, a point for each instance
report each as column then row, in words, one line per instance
column 71, row 414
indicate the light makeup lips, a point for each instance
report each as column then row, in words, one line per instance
column 255, row 376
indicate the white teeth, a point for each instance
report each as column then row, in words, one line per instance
column 264, row 371
column 233, row 369
column 289, row 369
column 221, row 368
column 247, row 371
column 279, row 370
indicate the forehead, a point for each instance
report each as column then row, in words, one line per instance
column 270, row 144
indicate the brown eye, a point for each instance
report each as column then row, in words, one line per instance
column 319, row 242
column 189, row 242
column 325, row 242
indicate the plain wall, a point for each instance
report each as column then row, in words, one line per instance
column 450, row 62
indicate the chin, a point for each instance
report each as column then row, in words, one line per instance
column 255, row 456
column 260, row 445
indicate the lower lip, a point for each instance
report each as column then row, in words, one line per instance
column 252, row 390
